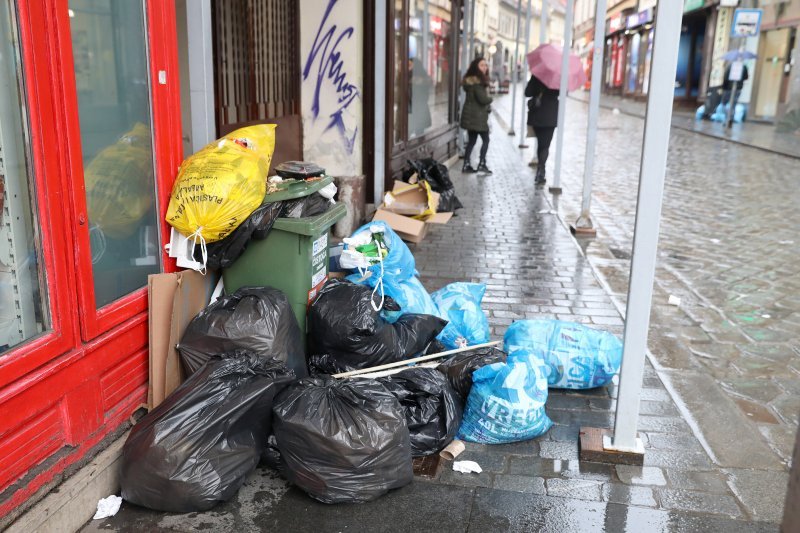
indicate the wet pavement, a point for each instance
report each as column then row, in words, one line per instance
column 510, row 237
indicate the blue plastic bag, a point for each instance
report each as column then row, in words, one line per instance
column 399, row 264
column 410, row 295
column 576, row 356
column 460, row 304
column 506, row 402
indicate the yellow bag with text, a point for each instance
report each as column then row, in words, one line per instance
column 119, row 183
column 221, row 185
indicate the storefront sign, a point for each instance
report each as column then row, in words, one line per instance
column 746, row 22
column 691, row 5
column 642, row 17
column 615, row 23
column 730, row 3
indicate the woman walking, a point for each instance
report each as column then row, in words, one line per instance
column 543, row 118
column 475, row 115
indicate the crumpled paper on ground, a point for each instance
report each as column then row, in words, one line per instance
column 467, row 467
column 107, row 507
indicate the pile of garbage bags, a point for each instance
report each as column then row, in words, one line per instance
column 438, row 177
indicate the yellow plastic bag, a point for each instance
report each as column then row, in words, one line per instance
column 119, row 183
column 221, row 185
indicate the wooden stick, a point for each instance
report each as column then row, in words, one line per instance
column 414, row 360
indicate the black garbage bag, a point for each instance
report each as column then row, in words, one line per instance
column 437, row 175
column 223, row 253
column 257, row 319
column 432, row 408
column 460, row 367
column 197, row 447
column 342, row 441
column 307, row 206
column 346, row 333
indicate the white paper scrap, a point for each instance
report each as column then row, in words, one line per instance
column 108, row 507
column 467, row 467
column 674, row 300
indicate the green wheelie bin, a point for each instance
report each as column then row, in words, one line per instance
column 294, row 256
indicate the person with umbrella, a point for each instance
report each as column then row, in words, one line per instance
column 542, row 89
column 475, row 114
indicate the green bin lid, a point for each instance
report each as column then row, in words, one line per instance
column 293, row 189
column 312, row 226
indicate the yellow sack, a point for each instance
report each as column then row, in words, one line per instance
column 221, row 185
column 119, row 183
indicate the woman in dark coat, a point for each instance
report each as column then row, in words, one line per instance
column 543, row 117
column 475, row 115
column 419, row 111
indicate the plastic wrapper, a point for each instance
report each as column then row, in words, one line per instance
column 437, row 175
column 398, row 265
column 342, row 441
column 218, row 187
column 257, row 319
column 459, row 368
column 460, row 304
column 197, row 447
column 432, row 408
column 506, row 402
column 347, row 333
column 307, row 206
column 576, row 356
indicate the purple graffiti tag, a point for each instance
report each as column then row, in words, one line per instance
column 329, row 63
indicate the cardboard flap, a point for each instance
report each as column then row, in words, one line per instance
column 400, row 223
column 439, row 218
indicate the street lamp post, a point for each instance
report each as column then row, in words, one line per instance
column 522, row 128
column 511, row 131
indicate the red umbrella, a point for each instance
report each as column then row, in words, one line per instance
column 545, row 64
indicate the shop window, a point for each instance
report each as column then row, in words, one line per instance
column 113, row 88
column 23, row 297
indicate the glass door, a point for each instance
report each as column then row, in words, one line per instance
column 110, row 95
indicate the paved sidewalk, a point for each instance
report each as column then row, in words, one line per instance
column 509, row 237
column 754, row 134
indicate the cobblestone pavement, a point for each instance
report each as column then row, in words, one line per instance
column 509, row 237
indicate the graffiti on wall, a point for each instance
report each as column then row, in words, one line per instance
column 325, row 68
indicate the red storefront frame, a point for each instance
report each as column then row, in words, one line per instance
column 66, row 390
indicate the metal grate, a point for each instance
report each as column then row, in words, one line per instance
column 257, row 60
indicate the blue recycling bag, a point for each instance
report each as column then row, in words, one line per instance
column 576, row 356
column 460, row 304
column 398, row 265
column 506, row 402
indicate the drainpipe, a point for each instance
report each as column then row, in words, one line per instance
column 379, row 81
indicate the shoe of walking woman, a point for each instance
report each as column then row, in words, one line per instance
column 467, row 168
column 483, row 168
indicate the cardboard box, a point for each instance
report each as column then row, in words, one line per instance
column 411, row 200
column 410, row 229
column 173, row 301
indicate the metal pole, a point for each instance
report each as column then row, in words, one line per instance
column 648, row 213
column 584, row 223
column 562, row 94
column 379, row 79
column 464, row 65
column 522, row 126
column 543, row 26
column 514, row 71
column 425, row 33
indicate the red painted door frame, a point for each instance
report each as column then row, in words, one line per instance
column 64, row 391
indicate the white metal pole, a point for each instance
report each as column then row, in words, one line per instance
column 543, row 26
column 562, row 94
column 426, row 18
column 584, row 222
column 472, row 31
column 514, row 71
column 464, row 64
column 379, row 79
column 648, row 213
column 522, row 127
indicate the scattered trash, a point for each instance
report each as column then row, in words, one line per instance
column 452, row 450
column 343, row 441
column 218, row 187
column 460, row 367
column 437, row 175
column 257, row 319
column 785, row 242
column 467, row 467
column 506, row 403
column 615, row 111
column 460, row 305
column 431, row 406
column 197, row 447
column 548, row 212
column 575, row 356
column 766, row 316
column 674, row 300
column 715, row 241
column 347, row 333
column 225, row 252
column 410, row 209
column 108, row 506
